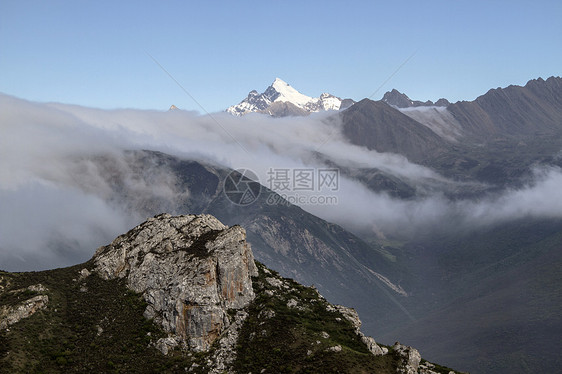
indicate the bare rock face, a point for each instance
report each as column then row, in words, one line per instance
column 191, row 271
column 13, row 314
column 409, row 359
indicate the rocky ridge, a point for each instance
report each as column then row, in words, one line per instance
column 191, row 270
column 211, row 307
column 401, row 100
column 195, row 274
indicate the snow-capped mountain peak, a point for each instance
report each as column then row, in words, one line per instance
column 279, row 81
column 294, row 102
column 288, row 93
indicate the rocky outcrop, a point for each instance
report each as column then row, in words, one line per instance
column 201, row 285
column 409, row 359
column 191, row 270
column 195, row 274
column 410, row 362
column 351, row 315
column 15, row 313
column 428, row 368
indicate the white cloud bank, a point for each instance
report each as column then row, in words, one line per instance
column 55, row 201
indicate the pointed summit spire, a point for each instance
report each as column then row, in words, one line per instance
column 279, row 81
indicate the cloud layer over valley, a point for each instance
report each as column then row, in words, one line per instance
column 59, row 165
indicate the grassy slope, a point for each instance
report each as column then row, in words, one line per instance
column 65, row 337
column 292, row 341
column 92, row 325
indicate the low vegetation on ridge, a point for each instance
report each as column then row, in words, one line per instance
column 94, row 325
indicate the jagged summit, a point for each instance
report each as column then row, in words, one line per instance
column 401, row 100
column 280, row 99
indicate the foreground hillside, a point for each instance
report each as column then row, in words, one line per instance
column 209, row 309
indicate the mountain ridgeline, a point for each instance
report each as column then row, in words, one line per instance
column 532, row 110
column 495, row 139
column 400, row 100
column 504, row 113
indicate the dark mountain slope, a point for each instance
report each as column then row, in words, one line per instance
column 535, row 109
column 495, row 297
column 504, row 133
column 376, row 125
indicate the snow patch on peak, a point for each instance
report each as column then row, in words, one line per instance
column 288, row 93
column 279, row 82
column 330, row 102
column 282, row 92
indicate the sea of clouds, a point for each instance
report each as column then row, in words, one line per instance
column 57, row 205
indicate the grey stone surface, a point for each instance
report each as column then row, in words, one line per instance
column 409, row 359
column 13, row 314
column 190, row 269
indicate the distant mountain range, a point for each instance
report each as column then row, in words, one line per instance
column 493, row 285
column 522, row 123
column 281, row 100
column 535, row 108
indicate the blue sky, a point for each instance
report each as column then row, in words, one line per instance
column 95, row 53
